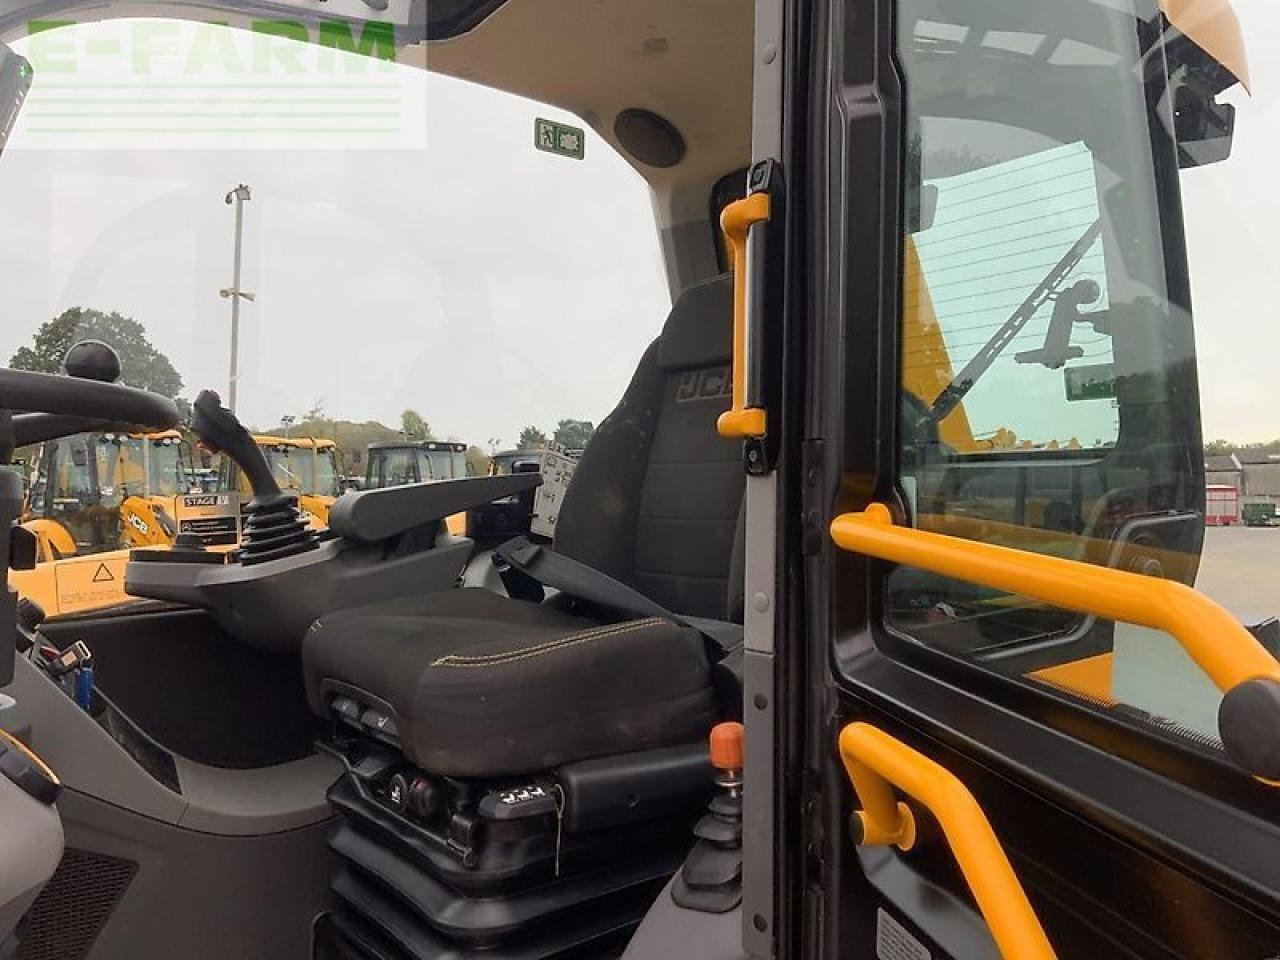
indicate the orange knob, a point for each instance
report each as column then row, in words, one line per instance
column 726, row 746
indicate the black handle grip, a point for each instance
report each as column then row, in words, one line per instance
column 1249, row 726
column 220, row 431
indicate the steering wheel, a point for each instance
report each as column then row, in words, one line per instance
column 43, row 406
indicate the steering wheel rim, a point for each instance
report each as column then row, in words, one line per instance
column 24, row 391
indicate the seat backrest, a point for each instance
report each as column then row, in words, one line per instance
column 656, row 500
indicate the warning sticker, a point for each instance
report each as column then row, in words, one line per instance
column 91, row 582
column 213, row 517
column 895, row 942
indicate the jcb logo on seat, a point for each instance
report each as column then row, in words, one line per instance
column 708, row 384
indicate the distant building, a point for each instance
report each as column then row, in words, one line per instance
column 1260, row 474
column 1222, row 471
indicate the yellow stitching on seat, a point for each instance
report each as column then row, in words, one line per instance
column 549, row 646
column 568, row 638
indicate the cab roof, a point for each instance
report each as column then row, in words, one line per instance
column 431, row 445
column 302, row 443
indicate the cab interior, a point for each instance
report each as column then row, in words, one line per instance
column 386, row 740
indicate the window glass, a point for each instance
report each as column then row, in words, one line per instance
column 1056, row 393
column 446, row 464
column 411, row 263
column 397, row 467
column 168, row 468
column 326, row 480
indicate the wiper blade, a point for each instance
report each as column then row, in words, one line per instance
column 963, row 382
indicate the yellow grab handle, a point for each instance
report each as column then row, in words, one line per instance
column 1215, row 640
column 876, row 762
column 741, row 421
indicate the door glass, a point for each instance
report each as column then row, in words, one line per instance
column 326, row 470
column 1051, row 395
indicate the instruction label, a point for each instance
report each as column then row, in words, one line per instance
column 213, row 517
column 559, row 138
column 895, row 942
column 91, row 582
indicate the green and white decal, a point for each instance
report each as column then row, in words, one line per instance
column 559, row 138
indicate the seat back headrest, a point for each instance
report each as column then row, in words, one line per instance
column 696, row 334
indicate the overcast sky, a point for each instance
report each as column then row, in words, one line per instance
column 407, row 244
column 410, row 248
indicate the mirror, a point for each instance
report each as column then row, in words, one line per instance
column 15, row 81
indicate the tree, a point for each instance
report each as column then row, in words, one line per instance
column 351, row 437
column 141, row 364
column 477, row 460
column 531, row 438
column 414, row 427
column 185, row 412
column 574, row 434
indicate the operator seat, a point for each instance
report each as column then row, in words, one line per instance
column 476, row 684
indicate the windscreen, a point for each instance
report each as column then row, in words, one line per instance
column 343, row 246
column 447, row 464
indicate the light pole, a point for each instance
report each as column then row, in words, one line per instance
column 240, row 194
column 288, row 420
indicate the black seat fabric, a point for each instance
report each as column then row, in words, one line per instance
column 655, row 500
column 485, row 685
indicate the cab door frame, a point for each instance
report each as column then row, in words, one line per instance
column 1106, row 839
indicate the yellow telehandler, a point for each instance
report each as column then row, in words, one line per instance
column 306, row 466
column 95, row 492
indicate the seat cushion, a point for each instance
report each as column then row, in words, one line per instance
column 483, row 686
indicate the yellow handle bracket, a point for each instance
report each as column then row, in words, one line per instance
column 1215, row 640
column 741, row 421
column 876, row 763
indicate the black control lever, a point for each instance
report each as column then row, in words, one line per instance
column 273, row 527
column 220, row 431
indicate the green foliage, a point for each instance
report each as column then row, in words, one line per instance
column 531, row 438
column 414, row 427
column 1224, row 448
column 142, row 365
column 478, row 461
column 574, row 434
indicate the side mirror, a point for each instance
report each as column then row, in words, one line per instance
column 15, row 81
column 1204, row 128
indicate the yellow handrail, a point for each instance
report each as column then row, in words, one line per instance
column 741, row 421
column 876, row 762
column 1215, row 640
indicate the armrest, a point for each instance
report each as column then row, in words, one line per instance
column 368, row 516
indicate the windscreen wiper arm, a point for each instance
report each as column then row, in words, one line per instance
column 963, row 382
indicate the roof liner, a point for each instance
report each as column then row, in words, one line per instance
column 689, row 61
